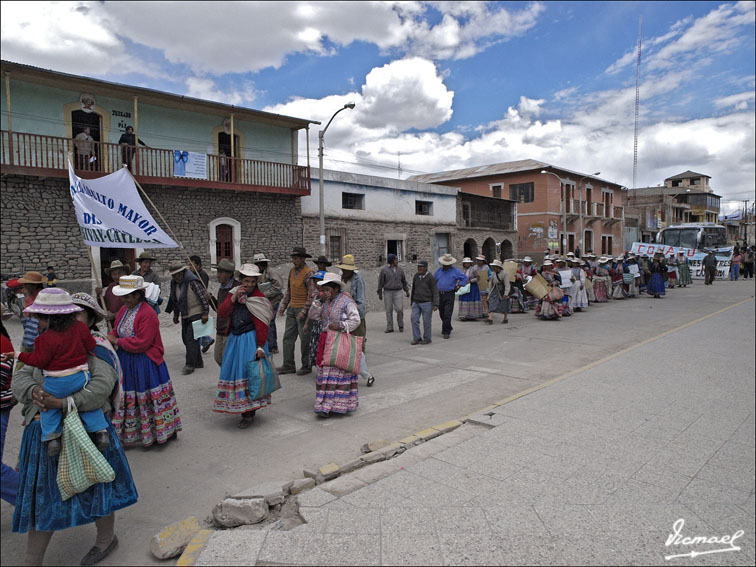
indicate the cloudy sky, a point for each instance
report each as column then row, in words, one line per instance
column 441, row 85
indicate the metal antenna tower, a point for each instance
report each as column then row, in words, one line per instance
column 637, row 102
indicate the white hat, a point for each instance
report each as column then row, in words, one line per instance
column 330, row 277
column 129, row 284
column 481, row 257
column 570, row 254
column 548, row 263
column 603, row 260
column 249, row 270
column 259, row 257
column 527, row 259
column 467, row 259
column 497, row 262
column 447, row 260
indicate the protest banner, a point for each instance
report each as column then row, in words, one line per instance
column 111, row 213
column 695, row 257
column 189, row 164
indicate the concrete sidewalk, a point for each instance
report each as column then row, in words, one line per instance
column 592, row 469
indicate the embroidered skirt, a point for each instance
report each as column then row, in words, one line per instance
column 233, row 385
column 149, row 412
column 469, row 304
column 335, row 389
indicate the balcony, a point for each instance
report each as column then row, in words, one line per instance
column 35, row 154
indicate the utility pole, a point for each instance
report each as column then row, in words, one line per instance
column 637, row 103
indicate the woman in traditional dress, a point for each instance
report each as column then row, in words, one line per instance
column 589, row 271
column 498, row 292
column 546, row 309
column 39, row 508
column 683, row 270
column 250, row 313
column 671, row 271
column 602, row 281
column 148, row 412
column 524, row 272
column 483, row 275
column 469, row 303
column 578, row 294
column 618, row 283
column 561, row 268
column 314, row 325
column 335, row 389
column 656, row 281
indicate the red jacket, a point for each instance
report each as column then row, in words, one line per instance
column 226, row 308
column 55, row 350
column 146, row 337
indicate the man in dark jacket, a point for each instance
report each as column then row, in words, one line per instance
column 710, row 268
column 391, row 283
column 424, row 300
column 227, row 282
column 189, row 301
column 196, row 264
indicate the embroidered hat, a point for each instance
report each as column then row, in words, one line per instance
column 53, row 301
column 447, row 260
column 129, row 284
column 85, row 300
column 330, row 277
column 347, row 263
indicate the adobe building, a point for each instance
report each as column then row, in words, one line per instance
column 557, row 209
column 244, row 198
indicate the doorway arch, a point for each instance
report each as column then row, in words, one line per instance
column 470, row 248
column 507, row 250
column 489, row 249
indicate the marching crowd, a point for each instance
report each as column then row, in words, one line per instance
column 121, row 387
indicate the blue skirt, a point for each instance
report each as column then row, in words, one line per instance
column 656, row 284
column 233, row 386
column 38, row 504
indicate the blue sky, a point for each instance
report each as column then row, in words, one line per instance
column 446, row 85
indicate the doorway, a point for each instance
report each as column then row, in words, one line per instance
column 442, row 244
column 507, row 250
column 79, row 121
column 470, row 248
column 228, row 171
column 489, row 249
column 107, row 255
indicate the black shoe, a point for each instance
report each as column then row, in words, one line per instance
column 187, row 369
column 370, row 381
column 95, row 555
column 401, row 329
column 286, row 370
column 200, row 364
column 305, row 370
column 102, row 440
column 53, row 447
column 389, row 331
column 207, row 346
column 427, row 342
column 273, row 350
column 415, row 342
column 445, row 336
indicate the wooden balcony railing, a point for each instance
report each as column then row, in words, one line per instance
column 35, row 151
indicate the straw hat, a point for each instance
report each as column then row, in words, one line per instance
column 447, row 260
column 347, row 263
column 85, row 300
column 176, row 268
column 497, row 263
column 117, row 264
column 129, row 284
column 467, row 260
column 548, row 263
column 32, row 278
column 259, row 257
column 248, row 270
column 53, row 301
column 330, row 277
column 603, row 260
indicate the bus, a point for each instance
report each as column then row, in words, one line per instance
column 697, row 236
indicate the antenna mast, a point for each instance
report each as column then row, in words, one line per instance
column 637, row 103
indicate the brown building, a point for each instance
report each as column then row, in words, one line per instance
column 684, row 198
column 555, row 206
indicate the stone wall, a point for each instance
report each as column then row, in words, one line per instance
column 39, row 225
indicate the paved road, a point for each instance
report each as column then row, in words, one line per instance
column 416, row 387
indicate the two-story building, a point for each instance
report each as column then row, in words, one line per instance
column 557, row 208
column 684, row 198
column 242, row 196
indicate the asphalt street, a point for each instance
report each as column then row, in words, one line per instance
column 416, row 387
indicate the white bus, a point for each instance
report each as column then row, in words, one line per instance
column 694, row 235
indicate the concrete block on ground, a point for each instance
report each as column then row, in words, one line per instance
column 352, row 465
column 272, row 492
column 410, row 441
column 329, row 471
column 428, row 434
column 343, row 485
column 302, row 484
column 172, row 540
column 194, row 548
column 373, row 457
column 391, row 450
column 374, row 445
column 233, row 512
column 378, row 471
column 447, row 426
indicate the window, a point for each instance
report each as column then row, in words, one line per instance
column 522, row 192
column 224, row 241
column 352, row 201
column 336, row 240
column 334, row 247
column 424, row 208
column 395, row 247
column 496, row 191
column 606, row 245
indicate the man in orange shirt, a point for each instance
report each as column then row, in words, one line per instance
column 295, row 304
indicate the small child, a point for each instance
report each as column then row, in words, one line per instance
column 61, row 353
column 52, row 278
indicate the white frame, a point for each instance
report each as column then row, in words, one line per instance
column 236, row 226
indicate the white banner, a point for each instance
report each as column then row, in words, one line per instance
column 695, row 257
column 111, row 213
column 189, row 164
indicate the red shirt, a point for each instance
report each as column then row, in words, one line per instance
column 54, row 350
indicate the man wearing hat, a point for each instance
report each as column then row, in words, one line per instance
column 189, row 301
column 709, row 264
column 145, row 260
column 271, row 285
column 391, row 283
column 448, row 280
column 225, row 270
column 424, row 301
column 112, row 302
column 295, row 304
column 33, row 283
column 350, row 275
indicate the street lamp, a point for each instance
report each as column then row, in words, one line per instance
column 564, row 211
column 580, row 204
column 321, row 133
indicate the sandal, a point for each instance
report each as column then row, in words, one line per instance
column 370, row 381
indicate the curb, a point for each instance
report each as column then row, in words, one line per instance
column 195, row 547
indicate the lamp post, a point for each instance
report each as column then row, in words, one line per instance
column 580, row 204
column 321, row 134
column 564, row 210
